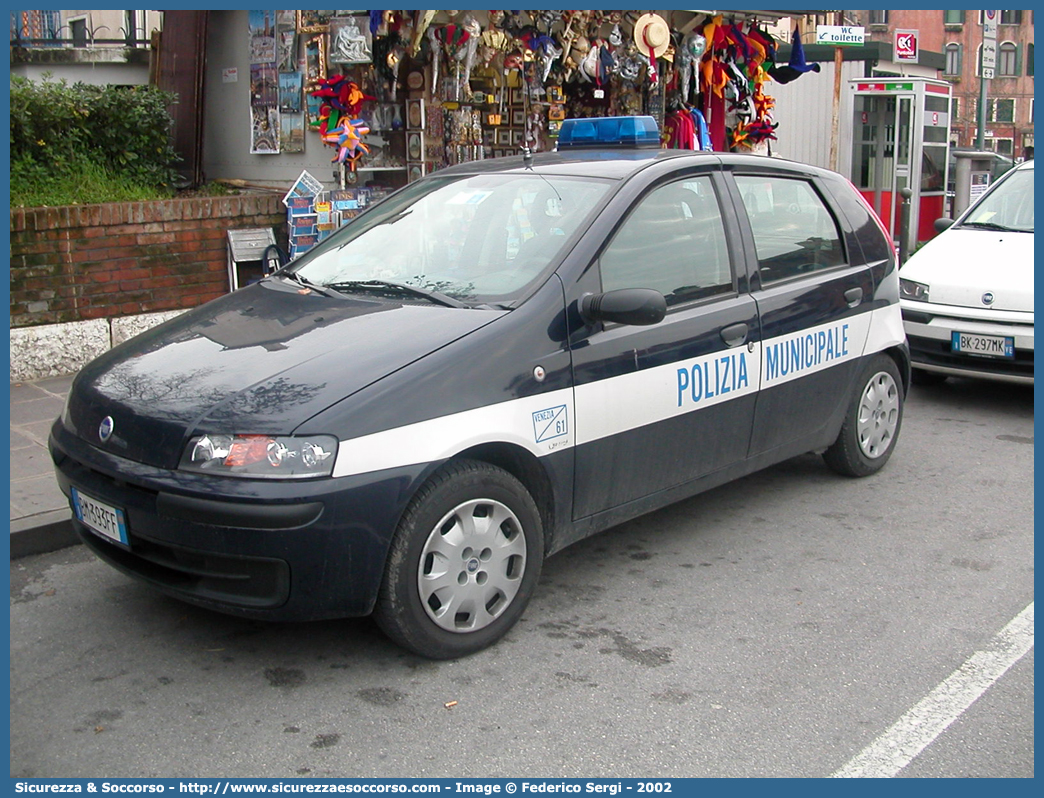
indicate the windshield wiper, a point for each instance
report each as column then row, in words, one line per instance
column 386, row 285
column 304, row 281
column 994, row 226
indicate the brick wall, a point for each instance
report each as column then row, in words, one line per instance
column 84, row 262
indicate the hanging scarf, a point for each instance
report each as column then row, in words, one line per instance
column 703, row 139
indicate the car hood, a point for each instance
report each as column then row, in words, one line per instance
column 262, row 360
column 962, row 264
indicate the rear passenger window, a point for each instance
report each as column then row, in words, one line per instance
column 674, row 242
column 794, row 231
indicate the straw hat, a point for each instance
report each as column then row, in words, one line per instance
column 651, row 32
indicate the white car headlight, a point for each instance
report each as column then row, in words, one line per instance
column 261, row 456
column 908, row 289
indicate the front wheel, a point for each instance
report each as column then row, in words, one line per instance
column 872, row 423
column 463, row 564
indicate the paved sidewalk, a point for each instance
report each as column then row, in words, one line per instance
column 39, row 510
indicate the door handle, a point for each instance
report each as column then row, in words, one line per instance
column 734, row 334
column 853, row 296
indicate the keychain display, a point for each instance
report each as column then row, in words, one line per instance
column 491, row 83
column 396, row 95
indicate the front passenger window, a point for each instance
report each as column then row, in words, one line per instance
column 674, row 242
column 794, row 231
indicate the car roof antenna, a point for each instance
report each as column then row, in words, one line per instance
column 527, row 161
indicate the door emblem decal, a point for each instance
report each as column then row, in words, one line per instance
column 550, row 423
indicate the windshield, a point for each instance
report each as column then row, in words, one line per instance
column 477, row 239
column 1009, row 206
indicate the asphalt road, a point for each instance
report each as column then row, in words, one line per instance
column 773, row 627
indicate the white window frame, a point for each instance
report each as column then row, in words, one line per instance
column 991, row 145
column 1013, row 49
column 955, row 48
column 991, row 110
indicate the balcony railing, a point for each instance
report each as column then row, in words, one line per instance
column 90, row 41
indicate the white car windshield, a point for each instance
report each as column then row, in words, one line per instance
column 476, row 239
column 1008, row 207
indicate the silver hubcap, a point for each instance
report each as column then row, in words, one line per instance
column 878, row 415
column 472, row 565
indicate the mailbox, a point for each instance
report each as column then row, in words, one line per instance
column 246, row 255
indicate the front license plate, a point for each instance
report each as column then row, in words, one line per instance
column 109, row 522
column 985, row 345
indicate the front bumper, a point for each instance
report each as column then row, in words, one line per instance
column 286, row 551
column 929, row 328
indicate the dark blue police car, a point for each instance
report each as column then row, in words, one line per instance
column 496, row 361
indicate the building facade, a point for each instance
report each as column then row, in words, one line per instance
column 99, row 47
column 958, row 36
column 84, row 28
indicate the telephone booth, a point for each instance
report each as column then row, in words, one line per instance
column 901, row 139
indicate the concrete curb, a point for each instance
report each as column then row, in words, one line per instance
column 53, row 350
column 42, row 533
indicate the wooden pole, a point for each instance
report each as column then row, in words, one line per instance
column 835, row 114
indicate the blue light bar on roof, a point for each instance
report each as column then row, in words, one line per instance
column 609, row 131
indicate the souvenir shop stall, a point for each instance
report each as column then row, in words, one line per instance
column 394, row 95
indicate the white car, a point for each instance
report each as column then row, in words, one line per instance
column 967, row 295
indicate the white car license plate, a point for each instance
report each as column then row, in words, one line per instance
column 985, row 345
column 109, row 522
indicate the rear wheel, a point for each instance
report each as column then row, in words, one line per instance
column 872, row 423
column 463, row 564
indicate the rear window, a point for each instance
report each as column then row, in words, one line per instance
column 794, row 231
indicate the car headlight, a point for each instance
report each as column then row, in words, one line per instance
column 908, row 289
column 261, row 456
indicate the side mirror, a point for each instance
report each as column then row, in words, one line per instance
column 637, row 306
column 942, row 224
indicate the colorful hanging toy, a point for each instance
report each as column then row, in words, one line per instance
column 340, row 97
column 347, row 137
column 342, row 100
